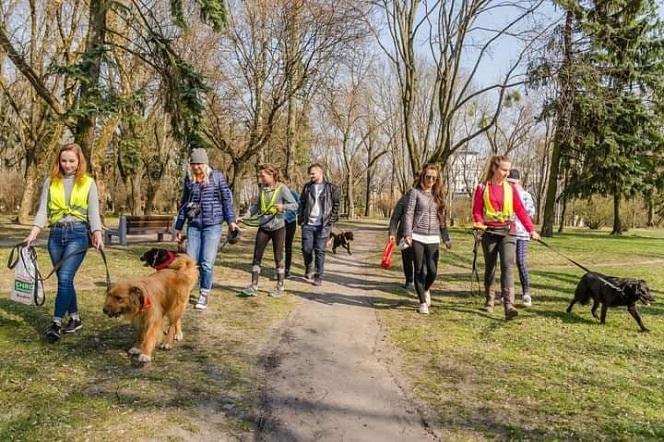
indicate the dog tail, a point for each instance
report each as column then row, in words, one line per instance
column 183, row 263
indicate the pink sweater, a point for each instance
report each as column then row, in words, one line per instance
column 496, row 197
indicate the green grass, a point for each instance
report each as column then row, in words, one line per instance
column 85, row 387
column 547, row 374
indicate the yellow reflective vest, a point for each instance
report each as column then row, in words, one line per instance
column 507, row 212
column 78, row 200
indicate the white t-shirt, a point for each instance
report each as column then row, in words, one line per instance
column 315, row 217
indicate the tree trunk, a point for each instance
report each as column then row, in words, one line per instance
column 30, row 188
column 651, row 211
column 617, row 225
column 94, row 47
column 350, row 203
column 562, row 129
column 367, row 195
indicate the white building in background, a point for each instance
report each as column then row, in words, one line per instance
column 465, row 172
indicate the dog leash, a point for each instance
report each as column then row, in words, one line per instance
column 255, row 221
column 474, row 274
column 582, row 267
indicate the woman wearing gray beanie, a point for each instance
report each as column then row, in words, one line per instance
column 206, row 203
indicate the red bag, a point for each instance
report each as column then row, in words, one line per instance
column 386, row 262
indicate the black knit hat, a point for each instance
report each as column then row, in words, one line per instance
column 514, row 175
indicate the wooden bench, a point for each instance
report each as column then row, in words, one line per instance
column 142, row 225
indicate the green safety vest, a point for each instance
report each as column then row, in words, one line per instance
column 267, row 207
column 491, row 214
column 78, row 200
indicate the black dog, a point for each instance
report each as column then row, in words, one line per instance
column 612, row 292
column 158, row 258
column 342, row 239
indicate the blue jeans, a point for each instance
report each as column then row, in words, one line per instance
column 63, row 240
column 314, row 240
column 202, row 245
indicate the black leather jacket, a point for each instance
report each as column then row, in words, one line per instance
column 329, row 200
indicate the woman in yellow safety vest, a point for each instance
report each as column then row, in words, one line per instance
column 495, row 206
column 70, row 206
column 274, row 198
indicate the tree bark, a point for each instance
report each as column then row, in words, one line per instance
column 562, row 129
column 617, row 224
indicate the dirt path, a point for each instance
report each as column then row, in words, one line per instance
column 330, row 375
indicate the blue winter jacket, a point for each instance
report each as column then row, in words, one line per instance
column 215, row 198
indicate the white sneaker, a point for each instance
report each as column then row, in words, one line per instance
column 427, row 298
column 527, row 301
column 202, row 303
column 423, row 309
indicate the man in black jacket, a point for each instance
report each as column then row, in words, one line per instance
column 317, row 213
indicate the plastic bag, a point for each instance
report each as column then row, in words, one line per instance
column 28, row 288
column 386, row 262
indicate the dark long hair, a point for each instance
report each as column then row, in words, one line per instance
column 436, row 190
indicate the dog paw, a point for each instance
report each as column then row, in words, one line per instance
column 134, row 351
column 165, row 346
column 179, row 336
column 144, row 358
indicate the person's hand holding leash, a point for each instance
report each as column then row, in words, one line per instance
column 233, row 226
column 479, row 226
column 32, row 237
column 178, row 235
column 97, row 240
column 279, row 207
column 534, row 235
column 409, row 240
column 448, row 244
column 392, row 238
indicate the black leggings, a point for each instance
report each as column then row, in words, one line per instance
column 262, row 238
column 290, row 234
column 426, row 267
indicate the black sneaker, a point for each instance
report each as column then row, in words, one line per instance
column 54, row 332
column 72, row 326
column 317, row 281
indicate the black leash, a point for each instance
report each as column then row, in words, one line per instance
column 474, row 275
column 582, row 267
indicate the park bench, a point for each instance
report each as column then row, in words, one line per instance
column 142, row 225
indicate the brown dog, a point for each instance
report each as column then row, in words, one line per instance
column 147, row 301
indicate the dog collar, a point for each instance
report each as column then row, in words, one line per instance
column 171, row 257
column 147, row 303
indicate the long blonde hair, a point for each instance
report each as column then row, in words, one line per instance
column 492, row 165
column 56, row 172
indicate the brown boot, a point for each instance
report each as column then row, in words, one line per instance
column 508, row 302
column 489, row 299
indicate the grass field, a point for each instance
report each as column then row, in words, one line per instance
column 85, row 388
column 547, row 374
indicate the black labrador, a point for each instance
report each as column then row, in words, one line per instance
column 342, row 239
column 611, row 291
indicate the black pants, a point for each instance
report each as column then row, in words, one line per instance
column 262, row 238
column 426, row 267
column 290, row 235
column 408, row 262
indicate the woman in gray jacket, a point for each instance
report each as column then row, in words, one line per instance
column 424, row 227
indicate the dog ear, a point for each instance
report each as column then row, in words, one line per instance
column 136, row 294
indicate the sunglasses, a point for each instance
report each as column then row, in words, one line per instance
column 430, row 177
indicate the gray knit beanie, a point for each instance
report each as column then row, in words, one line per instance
column 199, row 156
